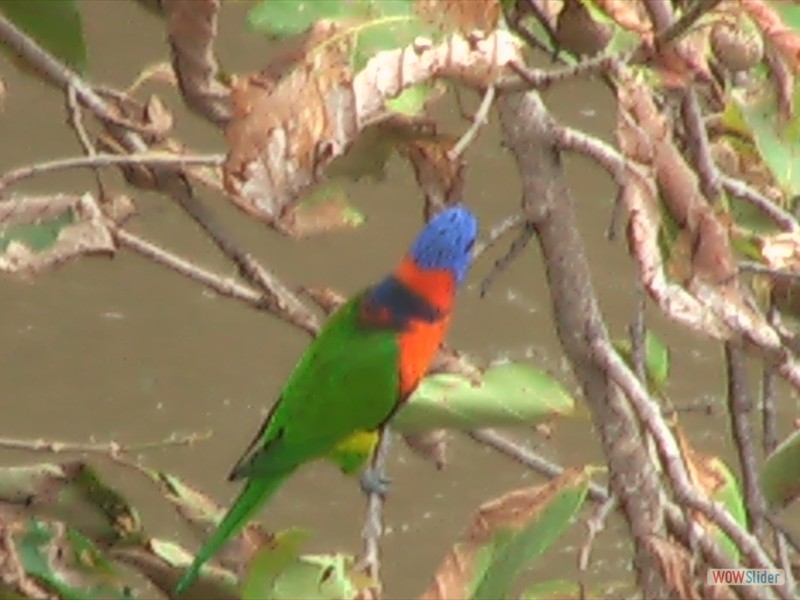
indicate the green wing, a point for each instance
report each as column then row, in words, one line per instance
column 346, row 383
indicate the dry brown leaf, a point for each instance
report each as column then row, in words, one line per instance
column 324, row 297
column 782, row 37
column 441, row 179
column 430, row 445
column 629, row 15
column 645, row 135
column 87, row 233
column 577, row 32
column 513, row 511
column 157, row 117
column 161, row 72
column 192, row 29
column 322, row 214
column 676, row 567
column 462, row 15
column 702, row 471
column 277, row 144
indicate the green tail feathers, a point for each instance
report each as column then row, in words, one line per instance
column 252, row 497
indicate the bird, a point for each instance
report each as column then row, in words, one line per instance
column 354, row 376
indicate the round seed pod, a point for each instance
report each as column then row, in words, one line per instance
column 737, row 45
column 578, row 33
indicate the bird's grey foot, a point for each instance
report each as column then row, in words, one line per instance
column 374, row 481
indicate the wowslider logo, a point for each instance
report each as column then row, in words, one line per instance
column 746, row 577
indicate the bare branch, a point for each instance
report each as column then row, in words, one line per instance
column 739, row 409
column 513, row 450
column 497, row 232
column 479, row 120
column 595, row 524
column 699, row 145
column 743, row 191
column 94, row 161
column 502, row 263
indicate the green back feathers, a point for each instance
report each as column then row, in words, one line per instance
column 346, row 382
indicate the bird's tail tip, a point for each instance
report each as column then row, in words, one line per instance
column 187, row 579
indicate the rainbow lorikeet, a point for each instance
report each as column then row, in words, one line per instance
column 366, row 361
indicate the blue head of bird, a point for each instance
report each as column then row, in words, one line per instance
column 446, row 242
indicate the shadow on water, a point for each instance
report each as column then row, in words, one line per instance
column 123, row 349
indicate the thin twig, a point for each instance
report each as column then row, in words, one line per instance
column 739, row 408
column 540, row 79
column 769, row 415
column 500, row 265
column 755, row 267
column 701, row 149
column 224, row 286
column 496, row 233
column 373, row 521
column 743, row 191
column 75, row 120
column 637, row 331
column 107, row 160
column 513, row 450
column 110, row 449
column 479, row 120
column 784, row 559
column 595, row 524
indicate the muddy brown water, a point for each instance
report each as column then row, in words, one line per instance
column 123, row 349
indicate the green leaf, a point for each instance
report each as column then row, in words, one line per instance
column 789, row 12
column 55, row 24
column 71, row 492
column 50, row 555
column 509, row 394
column 270, row 561
column 327, row 208
column 657, row 361
column 411, row 102
column 558, row 588
column 776, row 142
column 729, row 494
column 283, row 18
column 317, row 577
column 36, row 236
column 780, row 473
column 163, row 563
column 374, row 25
column 510, row 551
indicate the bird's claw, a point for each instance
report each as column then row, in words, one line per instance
column 374, row 481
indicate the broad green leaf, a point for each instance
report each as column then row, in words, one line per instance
column 37, row 233
column 780, row 473
column 511, row 551
column 71, row 492
column 283, row 18
column 549, row 590
column 509, row 394
column 411, row 101
column 36, row 236
column 729, row 494
column 55, row 24
column 657, row 362
column 327, row 208
column 270, row 562
column 48, row 553
column 374, row 25
column 789, row 12
column 317, row 577
column 163, row 563
column 776, row 141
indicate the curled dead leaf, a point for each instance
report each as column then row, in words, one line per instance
column 459, row 15
column 780, row 35
column 676, row 566
column 278, row 145
column 430, row 445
